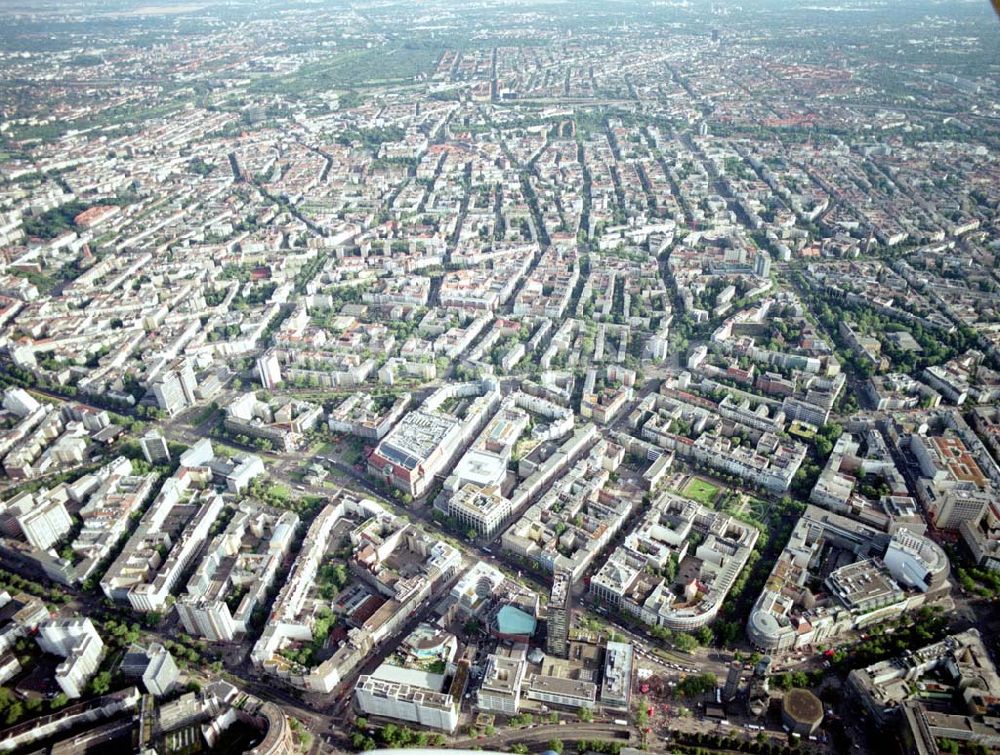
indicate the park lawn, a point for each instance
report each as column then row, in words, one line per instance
column 701, row 491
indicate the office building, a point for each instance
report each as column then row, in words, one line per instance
column 481, row 509
column 500, row 691
column 616, row 687
column 410, row 695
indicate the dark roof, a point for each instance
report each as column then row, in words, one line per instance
column 802, row 705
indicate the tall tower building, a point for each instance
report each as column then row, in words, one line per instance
column 175, row 387
column 188, row 380
column 762, row 265
column 206, row 618
column 169, row 393
column 269, row 370
column 560, row 615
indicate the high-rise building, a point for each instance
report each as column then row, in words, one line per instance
column 77, row 641
column 154, row 447
column 18, row 401
column 206, row 618
column 762, row 265
column 175, row 387
column 154, row 665
column 560, row 615
column 269, row 370
column 169, row 393
column 189, row 381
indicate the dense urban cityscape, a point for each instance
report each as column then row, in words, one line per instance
column 514, row 376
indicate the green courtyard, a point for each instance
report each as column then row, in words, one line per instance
column 701, row 491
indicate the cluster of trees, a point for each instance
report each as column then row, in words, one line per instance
column 131, row 449
column 236, row 271
column 101, row 683
column 256, row 296
column 693, row 686
column 700, row 742
column 891, row 639
column 981, row 582
column 331, row 579
column 306, row 654
column 120, row 634
column 302, row 735
column 598, row 745
column 189, row 650
column 54, row 222
column 682, row 641
column 936, row 345
column 13, row 709
column 364, row 739
column 270, row 492
column 215, row 296
column 445, row 521
column 825, row 440
column 952, row 747
column 200, row 167
column 308, row 272
column 261, row 444
column 522, row 719
column 15, row 583
column 800, row 679
column 771, row 539
column 372, row 138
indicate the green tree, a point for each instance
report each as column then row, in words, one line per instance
column 556, row 745
column 685, row 642
column 14, row 712
column 390, row 734
column 59, row 701
column 823, row 446
column 642, row 715
column 101, row 683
